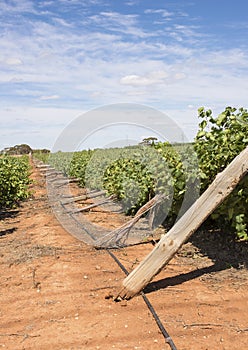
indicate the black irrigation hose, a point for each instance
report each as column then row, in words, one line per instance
column 166, row 335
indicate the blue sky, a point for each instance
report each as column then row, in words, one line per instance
column 62, row 58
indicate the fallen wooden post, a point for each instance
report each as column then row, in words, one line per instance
column 170, row 243
column 84, row 196
column 120, row 234
column 66, row 181
column 74, row 199
column 88, row 207
column 44, row 166
column 59, row 176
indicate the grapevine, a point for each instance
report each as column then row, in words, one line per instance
column 219, row 140
column 14, row 180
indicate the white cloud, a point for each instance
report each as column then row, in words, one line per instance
column 62, row 22
column 179, row 76
column 120, row 23
column 236, row 57
column 132, row 2
column 13, row 61
column 136, row 80
column 17, row 6
column 162, row 12
column 51, row 97
column 152, row 78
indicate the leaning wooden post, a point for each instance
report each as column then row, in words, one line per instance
column 169, row 244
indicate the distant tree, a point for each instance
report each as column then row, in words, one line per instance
column 41, row 151
column 149, row 141
column 18, row 150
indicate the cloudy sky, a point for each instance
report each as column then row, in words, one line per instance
column 62, row 58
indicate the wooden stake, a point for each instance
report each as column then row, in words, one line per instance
column 84, row 196
column 115, row 237
column 74, row 199
column 88, row 207
column 170, row 243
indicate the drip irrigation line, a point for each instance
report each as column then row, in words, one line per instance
column 165, row 334
column 118, row 262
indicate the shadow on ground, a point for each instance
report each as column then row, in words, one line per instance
column 8, row 214
column 7, row 232
column 5, row 215
column 218, row 246
column 221, row 247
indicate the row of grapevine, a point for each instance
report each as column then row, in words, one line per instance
column 134, row 174
column 14, row 180
column 181, row 172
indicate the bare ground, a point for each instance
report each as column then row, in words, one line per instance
column 54, row 289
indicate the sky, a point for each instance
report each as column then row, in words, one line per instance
column 61, row 59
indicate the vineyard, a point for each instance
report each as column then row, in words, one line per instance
column 180, row 172
column 136, row 174
column 65, row 286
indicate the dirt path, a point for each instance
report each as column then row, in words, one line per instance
column 53, row 291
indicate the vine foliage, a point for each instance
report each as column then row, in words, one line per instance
column 14, row 180
column 135, row 174
column 219, row 140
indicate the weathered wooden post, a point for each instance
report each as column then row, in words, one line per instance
column 170, row 243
